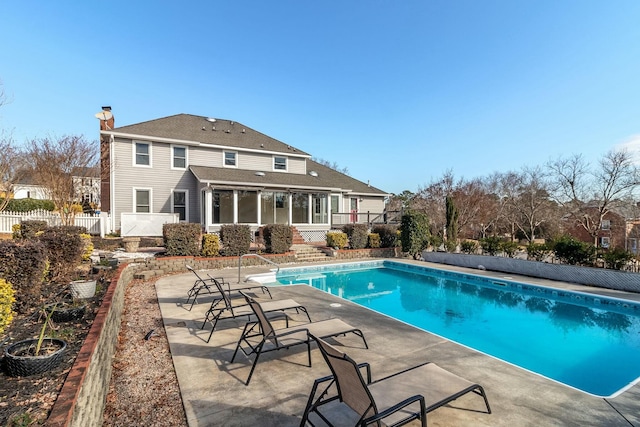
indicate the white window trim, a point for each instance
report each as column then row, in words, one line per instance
column 135, row 200
column 133, row 149
column 603, row 240
column 186, row 202
column 186, row 157
column 606, row 224
column 224, row 159
column 286, row 164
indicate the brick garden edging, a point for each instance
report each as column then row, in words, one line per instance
column 82, row 400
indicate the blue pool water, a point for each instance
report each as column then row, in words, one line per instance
column 588, row 342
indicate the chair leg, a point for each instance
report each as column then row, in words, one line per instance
column 242, row 337
column 255, row 361
column 481, row 392
column 213, row 328
column 195, row 297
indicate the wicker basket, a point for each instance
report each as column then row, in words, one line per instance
column 83, row 288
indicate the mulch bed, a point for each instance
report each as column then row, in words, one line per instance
column 28, row 400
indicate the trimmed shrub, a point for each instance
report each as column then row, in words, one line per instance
column 27, row 205
column 538, row 251
column 373, row 240
column 509, row 247
column 6, row 304
column 336, row 239
column 30, row 229
column 574, row 252
column 64, row 248
column 15, row 231
column 87, row 246
column 414, row 230
column 617, row 258
column 468, row 247
column 277, row 238
column 23, row 264
column 491, row 245
column 210, row 245
column 357, row 235
column 450, row 245
column 236, row 239
column 436, row 241
column 388, row 235
column 182, row 239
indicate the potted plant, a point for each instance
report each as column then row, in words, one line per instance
column 36, row 355
column 83, row 288
column 68, row 309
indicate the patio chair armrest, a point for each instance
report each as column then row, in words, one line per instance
column 368, row 370
column 395, row 408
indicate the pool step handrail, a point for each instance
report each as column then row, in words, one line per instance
column 257, row 256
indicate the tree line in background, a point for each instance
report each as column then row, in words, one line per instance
column 534, row 203
column 48, row 162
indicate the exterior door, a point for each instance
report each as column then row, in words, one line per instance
column 353, row 208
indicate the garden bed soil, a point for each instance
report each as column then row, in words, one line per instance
column 28, row 400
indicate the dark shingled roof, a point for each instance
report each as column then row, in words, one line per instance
column 227, row 133
column 327, row 178
column 187, row 127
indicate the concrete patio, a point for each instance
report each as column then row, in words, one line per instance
column 214, row 394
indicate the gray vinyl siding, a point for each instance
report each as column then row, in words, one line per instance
column 213, row 157
column 160, row 178
column 375, row 205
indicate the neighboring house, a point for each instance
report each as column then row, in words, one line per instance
column 86, row 186
column 27, row 189
column 633, row 236
column 612, row 232
column 214, row 172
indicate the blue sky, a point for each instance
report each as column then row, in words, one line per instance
column 398, row 92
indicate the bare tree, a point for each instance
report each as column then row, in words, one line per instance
column 55, row 162
column 431, row 201
column 331, row 165
column 588, row 195
column 11, row 168
column 527, row 202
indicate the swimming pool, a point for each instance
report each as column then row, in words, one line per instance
column 588, row 342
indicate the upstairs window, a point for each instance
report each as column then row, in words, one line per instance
column 230, row 159
column 142, row 154
column 280, row 163
column 606, row 224
column 179, row 155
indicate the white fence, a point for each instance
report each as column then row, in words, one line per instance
column 95, row 224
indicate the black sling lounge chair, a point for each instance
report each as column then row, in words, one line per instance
column 394, row 400
column 208, row 286
column 224, row 307
column 271, row 339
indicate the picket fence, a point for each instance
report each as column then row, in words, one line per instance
column 95, row 224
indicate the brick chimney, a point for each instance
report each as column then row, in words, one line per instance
column 109, row 121
column 105, row 159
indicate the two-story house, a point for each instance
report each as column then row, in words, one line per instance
column 214, row 172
